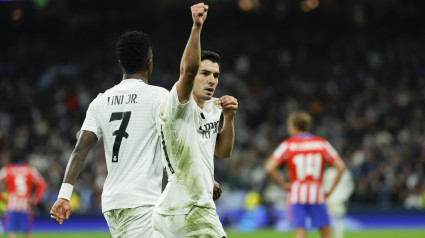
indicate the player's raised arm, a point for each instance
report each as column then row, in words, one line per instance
column 61, row 209
column 192, row 54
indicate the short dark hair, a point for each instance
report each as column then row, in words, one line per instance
column 17, row 155
column 132, row 50
column 209, row 55
column 301, row 120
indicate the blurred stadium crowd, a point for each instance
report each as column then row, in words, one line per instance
column 357, row 68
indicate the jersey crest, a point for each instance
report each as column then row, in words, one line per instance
column 218, row 103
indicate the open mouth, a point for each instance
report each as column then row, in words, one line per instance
column 209, row 90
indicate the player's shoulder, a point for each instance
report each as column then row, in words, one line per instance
column 97, row 99
column 7, row 167
column 305, row 142
column 99, row 96
column 156, row 94
column 157, row 90
column 289, row 140
column 149, row 90
column 318, row 138
column 325, row 143
column 283, row 145
column 20, row 166
column 27, row 167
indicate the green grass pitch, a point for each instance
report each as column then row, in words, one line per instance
column 260, row 234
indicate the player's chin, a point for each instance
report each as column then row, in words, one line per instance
column 207, row 97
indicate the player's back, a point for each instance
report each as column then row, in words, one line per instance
column 126, row 116
column 20, row 179
column 305, row 156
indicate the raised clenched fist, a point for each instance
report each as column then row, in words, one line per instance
column 199, row 14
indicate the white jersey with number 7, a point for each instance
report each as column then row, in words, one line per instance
column 126, row 116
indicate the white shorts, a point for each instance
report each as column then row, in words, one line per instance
column 130, row 222
column 199, row 222
column 336, row 208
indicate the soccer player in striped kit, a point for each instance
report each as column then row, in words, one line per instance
column 20, row 179
column 305, row 156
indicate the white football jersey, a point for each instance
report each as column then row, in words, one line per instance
column 189, row 135
column 127, row 117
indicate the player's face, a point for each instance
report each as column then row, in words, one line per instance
column 206, row 80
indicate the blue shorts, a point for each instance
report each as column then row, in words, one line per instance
column 298, row 214
column 18, row 221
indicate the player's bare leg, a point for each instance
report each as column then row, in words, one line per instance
column 13, row 235
column 326, row 232
column 300, row 233
column 28, row 235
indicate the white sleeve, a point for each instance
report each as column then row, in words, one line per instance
column 90, row 123
column 330, row 153
column 156, row 109
column 280, row 152
column 172, row 109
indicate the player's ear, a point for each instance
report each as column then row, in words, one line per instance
column 149, row 65
column 122, row 68
column 149, row 62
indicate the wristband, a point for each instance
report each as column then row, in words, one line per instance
column 66, row 191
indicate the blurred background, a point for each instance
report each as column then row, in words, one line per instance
column 357, row 66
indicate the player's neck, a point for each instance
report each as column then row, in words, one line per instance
column 302, row 133
column 200, row 102
column 142, row 76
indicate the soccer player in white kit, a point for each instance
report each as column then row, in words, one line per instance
column 126, row 116
column 337, row 201
column 190, row 119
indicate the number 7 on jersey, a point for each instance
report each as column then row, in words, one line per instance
column 120, row 133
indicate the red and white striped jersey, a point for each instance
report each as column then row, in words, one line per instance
column 20, row 178
column 305, row 156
